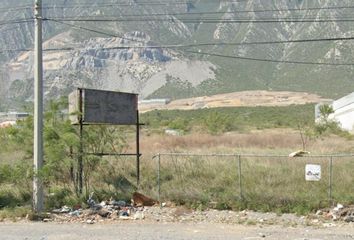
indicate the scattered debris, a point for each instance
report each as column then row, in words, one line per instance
column 299, row 153
column 117, row 203
column 338, row 207
column 142, row 200
column 90, row 221
column 124, row 218
column 75, row 213
column 327, row 225
column 104, row 212
column 111, row 209
column 339, row 212
column 64, row 209
column 140, row 209
column 139, row 215
column 173, row 132
column 92, row 204
column 262, row 235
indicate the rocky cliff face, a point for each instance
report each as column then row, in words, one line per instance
column 95, row 60
column 109, row 63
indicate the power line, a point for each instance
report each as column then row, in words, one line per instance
column 18, row 7
column 203, row 44
column 176, row 46
column 137, row 3
column 210, row 54
column 190, row 45
column 206, row 44
column 203, row 20
column 269, row 60
column 95, row 31
column 214, row 54
column 108, row 17
column 15, row 50
column 26, row 20
column 116, row 4
column 187, row 16
column 236, row 11
column 274, row 42
column 16, row 10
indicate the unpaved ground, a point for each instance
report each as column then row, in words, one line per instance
column 167, row 231
column 238, row 99
column 177, row 223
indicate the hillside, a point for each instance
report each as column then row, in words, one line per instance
column 119, row 51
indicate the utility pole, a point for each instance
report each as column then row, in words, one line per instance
column 38, row 109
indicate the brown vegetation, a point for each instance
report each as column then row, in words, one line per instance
column 278, row 141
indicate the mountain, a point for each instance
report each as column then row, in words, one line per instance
column 124, row 55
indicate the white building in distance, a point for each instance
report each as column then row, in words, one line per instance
column 343, row 112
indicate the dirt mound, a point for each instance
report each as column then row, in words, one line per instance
column 236, row 99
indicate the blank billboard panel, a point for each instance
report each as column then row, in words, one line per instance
column 104, row 107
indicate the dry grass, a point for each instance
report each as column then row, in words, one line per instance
column 276, row 184
column 267, row 184
column 279, row 141
column 6, row 158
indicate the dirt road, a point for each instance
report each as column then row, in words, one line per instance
column 167, row 231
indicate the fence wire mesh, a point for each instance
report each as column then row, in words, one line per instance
column 257, row 181
column 105, row 175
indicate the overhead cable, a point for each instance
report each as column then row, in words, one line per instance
column 221, row 12
column 269, row 60
column 201, row 20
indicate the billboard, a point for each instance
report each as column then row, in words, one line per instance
column 103, row 107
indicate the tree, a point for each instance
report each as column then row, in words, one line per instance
column 324, row 125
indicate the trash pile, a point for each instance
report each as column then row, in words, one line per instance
column 338, row 213
column 105, row 210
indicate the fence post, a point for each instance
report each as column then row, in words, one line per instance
column 158, row 178
column 330, row 179
column 239, row 176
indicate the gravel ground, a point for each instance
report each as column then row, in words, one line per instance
column 167, row 231
column 175, row 223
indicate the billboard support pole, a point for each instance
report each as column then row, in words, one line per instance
column 101, row 107
column 80, row 164
column 137, row 149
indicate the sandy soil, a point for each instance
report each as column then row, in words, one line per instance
column 237, row 99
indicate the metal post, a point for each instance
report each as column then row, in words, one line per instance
column 158, row 178
column 38, row 110
column 239, row 177
column 137, row 149
column 80, row 160
column 330, row 179
column 81, row 150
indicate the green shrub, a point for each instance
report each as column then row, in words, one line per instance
column 217, row 123
column 59, row 197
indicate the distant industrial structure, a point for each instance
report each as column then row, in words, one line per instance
column 343, row 112
column 8, row 119
column 151, row 104
column 157, row 101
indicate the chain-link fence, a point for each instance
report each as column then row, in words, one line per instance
column 254, row 181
